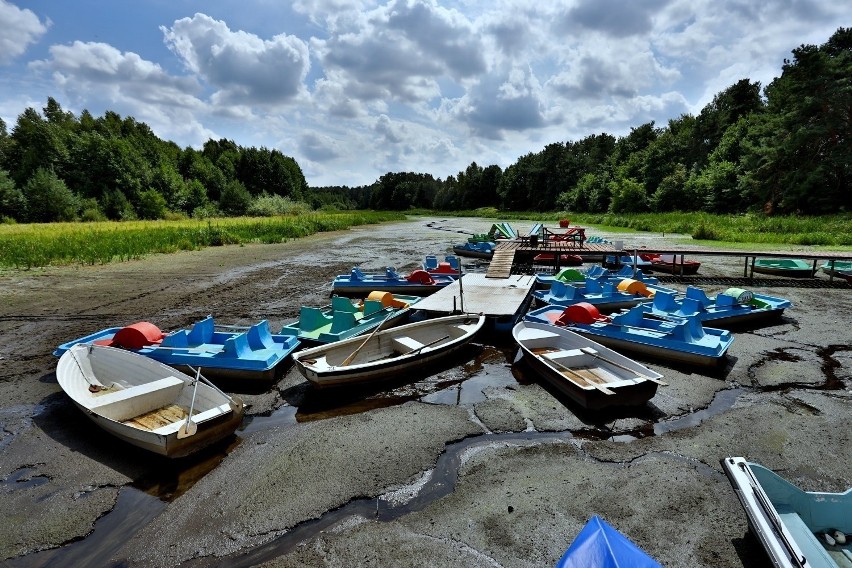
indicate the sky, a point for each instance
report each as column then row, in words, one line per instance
column 354, row 89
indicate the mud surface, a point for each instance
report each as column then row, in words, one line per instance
column 474, row 463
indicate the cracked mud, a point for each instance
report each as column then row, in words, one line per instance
column 475, row 463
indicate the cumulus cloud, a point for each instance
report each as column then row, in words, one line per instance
column 243, row 67
column 318, row 148
column 18, row 29
column 614, row 18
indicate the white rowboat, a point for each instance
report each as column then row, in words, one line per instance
column 392, row 353
column 592, row 375
column 145, row 402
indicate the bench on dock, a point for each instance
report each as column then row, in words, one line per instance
column 132, row 401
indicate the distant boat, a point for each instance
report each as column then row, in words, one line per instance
column 592, row 375
column 344, row 318
column 564, row 259
column 387, row 354
column 607, row 294
column 840, row 268
column 613, row 261
column 672, row 263
column 732, row 307
column 599, row 545
column 418, row 283
column 792, row 524
column 789, row 267
column 483, row 250
column 145, row 402
column 683, row 341
column 241, row 355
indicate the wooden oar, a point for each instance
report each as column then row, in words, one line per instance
column 593, row 353
column 430, row 344
column 369, row 337
column 190, row 427
column 598, row 386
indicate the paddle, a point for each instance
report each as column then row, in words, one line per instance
column 190, row 428
column 431, row 343
column 234, row 402
column 369, row 337
column 593, row 353
column 600, row 387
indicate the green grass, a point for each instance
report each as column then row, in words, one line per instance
column 36, row 245
column 824, row 231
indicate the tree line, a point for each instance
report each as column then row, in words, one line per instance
column 55, row 166
column 785, row 148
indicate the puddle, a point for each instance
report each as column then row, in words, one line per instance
column 722, row 402
column 21, row 479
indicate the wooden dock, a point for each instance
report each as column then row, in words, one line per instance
column 476, row 293
column 501, row 264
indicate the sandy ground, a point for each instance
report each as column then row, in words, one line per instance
column 476, row 464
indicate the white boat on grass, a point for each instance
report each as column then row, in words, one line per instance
column 594, row 376
column 388, row 354
column 145, row 402
column 798, row 529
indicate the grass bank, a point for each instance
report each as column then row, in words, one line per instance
column 44, row 244
column 829, row 230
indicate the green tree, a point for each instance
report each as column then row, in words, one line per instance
column 152, row 205
column 235, row 199
column 12, row 200
column 49, row 199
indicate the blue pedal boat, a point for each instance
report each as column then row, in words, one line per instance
column 619, row 261
column 484, row 250
column 680, row 341
column 796, row 528
column 607, row 294
column 344, row 318
column 599, row 545
column 418, row 283
column 576, row 277
column 242, row 354
column 732, row 307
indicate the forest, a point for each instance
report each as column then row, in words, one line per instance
column 785, row 148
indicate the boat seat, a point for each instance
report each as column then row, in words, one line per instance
column 563, row 354
column 197, row 418
column 132, row 401
column 808, row 543
column 404, row 344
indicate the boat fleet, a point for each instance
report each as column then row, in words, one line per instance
column 576, row 330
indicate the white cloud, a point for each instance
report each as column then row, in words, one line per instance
column 243, row 67
column 18, row 29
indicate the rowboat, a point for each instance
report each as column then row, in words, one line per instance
column 607, row 294
column 244, row 356
column 798, row 529
column 344, row 318
column 672, row 263
column 599, row 545
column 386, row 354
column 788, row 267
column 837, row 267
column 145, row 402
column 418, row 283
column 450, row 266
column 732, row 307
column 484, row 250
column 592, row 375
column 681, row 341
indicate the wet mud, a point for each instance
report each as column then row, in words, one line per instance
column 473, row 462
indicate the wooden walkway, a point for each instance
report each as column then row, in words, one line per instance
column 501, row 264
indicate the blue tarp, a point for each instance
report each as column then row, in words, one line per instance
column 600, row 546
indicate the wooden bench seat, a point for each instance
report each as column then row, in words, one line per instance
column 197, row 418
column 132, row 401
column 404, row 344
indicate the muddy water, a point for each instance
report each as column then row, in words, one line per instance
column 275, row 288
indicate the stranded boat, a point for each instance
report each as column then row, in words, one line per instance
column 682, row 341
column 484, row 249
column 450, row 266
column 344, row 318
column 245, row 355
column 418, row 283
column 599, row 545
column 387, row 354
column 145, row 402
column 798, row 529
column 607, row 294
column 592, row 375
column 789, row 267
column 734, row 306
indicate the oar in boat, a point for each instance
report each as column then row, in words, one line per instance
column 234, row 402
column 190, row 428
column 598, row 386
column 430, row 344
column 596, row 355
column 369, row 337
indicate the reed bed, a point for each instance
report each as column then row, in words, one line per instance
column 45, row 244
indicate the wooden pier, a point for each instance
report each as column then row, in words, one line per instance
column 476, row 293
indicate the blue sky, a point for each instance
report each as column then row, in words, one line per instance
column 353, row 89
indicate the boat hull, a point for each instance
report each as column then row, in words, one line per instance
column 461, row 251
column 653, row 351
column 788, row 268
column 384, row 356
column 144, row 402
column 632, row 390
